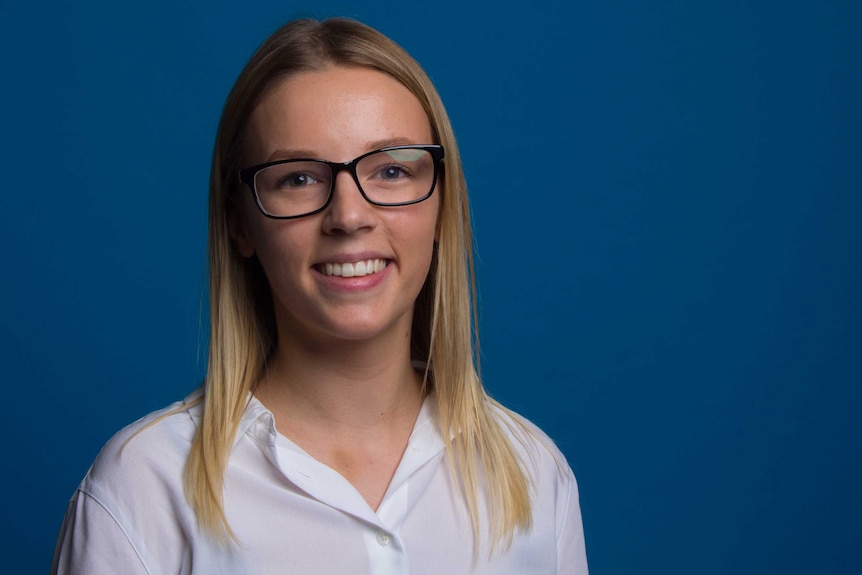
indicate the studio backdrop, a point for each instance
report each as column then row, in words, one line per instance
column 667, row 200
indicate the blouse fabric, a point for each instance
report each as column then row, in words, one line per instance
column 294, row 515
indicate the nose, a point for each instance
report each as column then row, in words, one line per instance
column 348, row 211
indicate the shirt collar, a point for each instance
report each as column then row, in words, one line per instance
column 259, row 422
column 256, row 420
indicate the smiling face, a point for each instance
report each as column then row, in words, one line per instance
column 352, row 271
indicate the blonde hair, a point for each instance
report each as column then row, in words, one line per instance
column 444, row 337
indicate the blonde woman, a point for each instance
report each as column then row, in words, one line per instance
column 342, row 427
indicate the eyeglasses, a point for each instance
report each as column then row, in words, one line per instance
column 395, row 176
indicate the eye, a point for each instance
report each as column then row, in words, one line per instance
column 393, row 172
column 297, row 180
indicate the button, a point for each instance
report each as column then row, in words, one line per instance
column 383, row 538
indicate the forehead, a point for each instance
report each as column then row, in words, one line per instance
column 336, row 114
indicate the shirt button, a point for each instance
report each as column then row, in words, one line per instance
column 383, row 538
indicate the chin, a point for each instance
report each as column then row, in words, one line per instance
column 356, row 329
column 362, row 331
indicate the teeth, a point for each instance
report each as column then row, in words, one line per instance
column 354, row 269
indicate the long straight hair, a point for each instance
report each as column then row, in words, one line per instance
column 486, row 465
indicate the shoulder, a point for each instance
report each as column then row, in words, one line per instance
column 539, row 454
column 129, row 512
column 555, row 499
column 554, row 489
column 145, row 456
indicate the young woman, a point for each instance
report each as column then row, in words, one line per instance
column 342, row 427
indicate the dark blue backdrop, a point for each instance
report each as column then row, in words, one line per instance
column 667, row 204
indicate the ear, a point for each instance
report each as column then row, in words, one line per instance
column 238, row 229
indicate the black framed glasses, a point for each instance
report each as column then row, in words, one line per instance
column 394, row 176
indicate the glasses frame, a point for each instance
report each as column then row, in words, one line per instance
column 247, row 177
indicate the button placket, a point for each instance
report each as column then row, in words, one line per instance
column 383, row 538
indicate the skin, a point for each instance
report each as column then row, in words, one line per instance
column 341, row 384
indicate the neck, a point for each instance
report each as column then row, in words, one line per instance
column 344, row 385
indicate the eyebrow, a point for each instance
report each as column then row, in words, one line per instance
column 291, row 154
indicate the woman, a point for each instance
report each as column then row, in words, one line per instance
column 342, row 427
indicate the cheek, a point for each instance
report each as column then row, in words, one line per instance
column 281, row 248
column 420, row 234
column 278, row 249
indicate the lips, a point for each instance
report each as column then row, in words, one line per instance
column 353, row 269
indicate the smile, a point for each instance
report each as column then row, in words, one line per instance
column 354, row 269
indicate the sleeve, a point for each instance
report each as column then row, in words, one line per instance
column 571, row 547
column 92, row 542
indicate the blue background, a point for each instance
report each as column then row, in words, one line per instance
column 669, row 227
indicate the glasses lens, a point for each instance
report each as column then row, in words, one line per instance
column 293, row 188
column 396, row 176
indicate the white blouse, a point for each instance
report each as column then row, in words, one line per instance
column 294, row 515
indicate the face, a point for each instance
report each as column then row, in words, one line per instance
column 339, row 114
